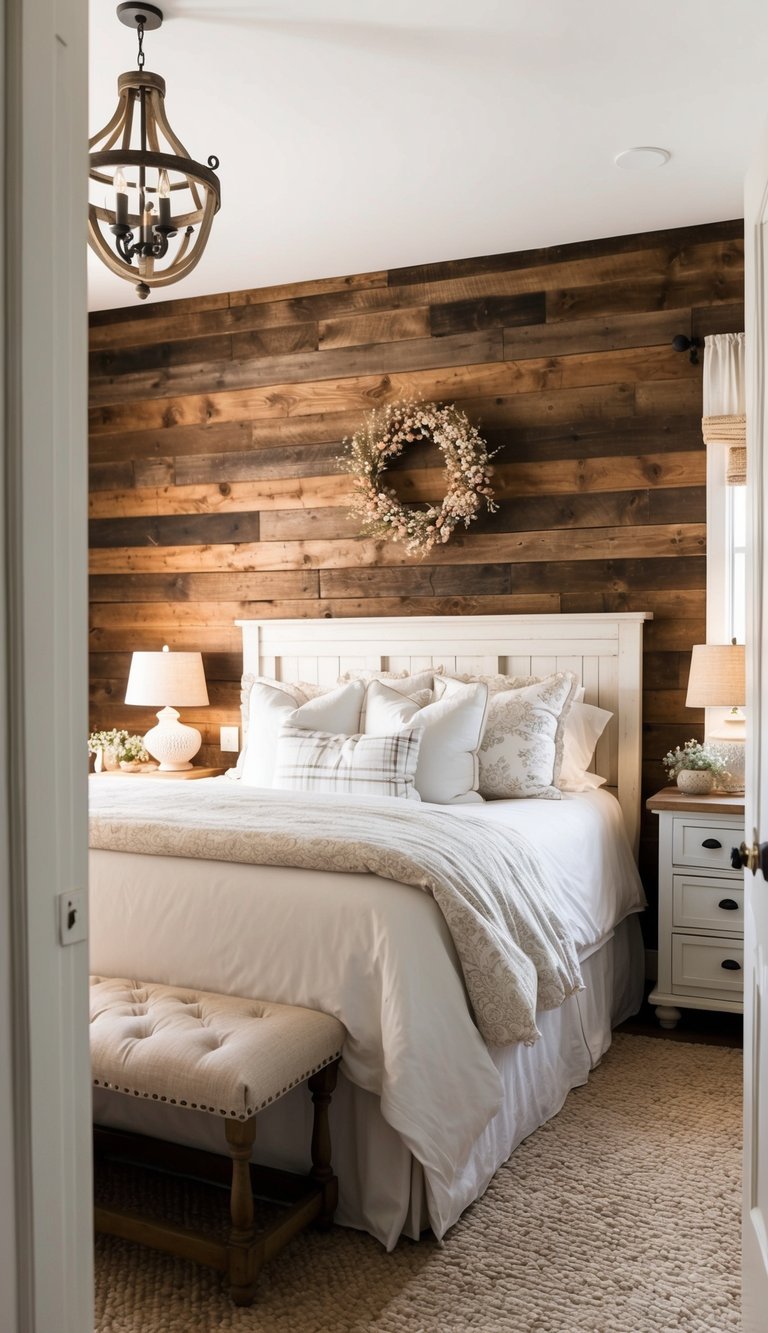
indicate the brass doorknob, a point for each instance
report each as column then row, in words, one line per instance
column 753, row 857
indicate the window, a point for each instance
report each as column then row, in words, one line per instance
column 736, row 562
column 726, row 552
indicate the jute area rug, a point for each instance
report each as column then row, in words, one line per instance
column 619, row 1216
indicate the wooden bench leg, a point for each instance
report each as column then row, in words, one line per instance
column 243, row 1269
column 322, row 1085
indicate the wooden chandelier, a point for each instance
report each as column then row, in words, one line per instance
column 154, row 221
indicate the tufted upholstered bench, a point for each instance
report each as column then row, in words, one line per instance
column 229, row 1057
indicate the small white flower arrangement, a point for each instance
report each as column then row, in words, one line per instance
column 383, row 437
column 693, row 755
column 117, row 747
column 132, row 751
column 99, row 741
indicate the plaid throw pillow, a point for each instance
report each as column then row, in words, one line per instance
column 364, row 765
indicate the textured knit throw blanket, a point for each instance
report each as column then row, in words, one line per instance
column 514, row 949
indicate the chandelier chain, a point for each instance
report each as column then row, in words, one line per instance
column 140, row 21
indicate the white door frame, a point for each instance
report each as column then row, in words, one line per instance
column 755, row 1194
column 45, row 1177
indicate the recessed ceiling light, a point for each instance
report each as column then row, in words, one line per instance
column 642, row 159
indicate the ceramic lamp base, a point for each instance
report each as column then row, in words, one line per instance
column 172, row 743
column 732, row 754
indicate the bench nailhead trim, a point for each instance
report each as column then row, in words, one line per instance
column 234, row 1115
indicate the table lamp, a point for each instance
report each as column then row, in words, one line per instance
column 170, row 679
column 718, row 680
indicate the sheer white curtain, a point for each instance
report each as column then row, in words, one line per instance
column 724, row 420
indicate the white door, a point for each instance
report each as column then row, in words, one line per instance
column 755, row 1205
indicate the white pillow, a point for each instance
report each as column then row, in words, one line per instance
column 584, row 726
column 363, row 765
column 447, row 770
column 396, row 680
column 522, row 749
column 270, row 705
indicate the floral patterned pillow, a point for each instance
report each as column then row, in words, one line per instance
column 522, row 747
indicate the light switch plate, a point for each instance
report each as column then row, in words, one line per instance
column 230, row 738
column 73, row 919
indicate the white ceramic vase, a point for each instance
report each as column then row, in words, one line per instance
column 696, row 781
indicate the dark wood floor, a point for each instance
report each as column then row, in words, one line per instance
column 696, row 1025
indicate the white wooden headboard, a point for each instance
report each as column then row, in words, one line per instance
column 605, row 652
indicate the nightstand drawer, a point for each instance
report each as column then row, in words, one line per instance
column 695, row 843
column 702, row 965
column 699, row 903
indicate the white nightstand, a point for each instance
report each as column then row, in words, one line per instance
column 701, row 904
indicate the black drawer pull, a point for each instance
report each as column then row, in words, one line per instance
column 728, row 905
column 712, row 844
column 731, row 965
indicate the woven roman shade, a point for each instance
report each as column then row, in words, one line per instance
column 724, row 421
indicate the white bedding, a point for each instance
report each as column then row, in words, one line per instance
column 377, row 955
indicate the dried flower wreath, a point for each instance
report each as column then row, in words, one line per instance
column 382, row 437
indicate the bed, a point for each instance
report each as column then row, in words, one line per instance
column 426, row 1108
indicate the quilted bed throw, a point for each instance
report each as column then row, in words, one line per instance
column 515, row 952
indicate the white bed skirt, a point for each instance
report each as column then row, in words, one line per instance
column 381, row 1186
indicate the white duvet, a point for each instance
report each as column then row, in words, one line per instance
column 374, row 953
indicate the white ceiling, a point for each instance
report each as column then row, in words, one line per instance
column 356, row 135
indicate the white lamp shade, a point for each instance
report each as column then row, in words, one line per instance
column 171, row 679
column 717, row 678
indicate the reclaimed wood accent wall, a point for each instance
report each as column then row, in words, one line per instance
column 216, row 426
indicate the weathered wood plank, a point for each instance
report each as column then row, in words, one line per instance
column 116, row 362
column 598, row 437
column 265, row 586
column 570, row 476
column 534, row 513
column 280, row 341
column 609, row 333
column 663, row 671
column 259, row 465
column 686, row 603
column 379, row 327
column 308, row 524
column 674, row 635
column 422, row 580
column 224, row 497
column 597, row 579
column 108, row 476
column 669, row 706
column 310, row 287
column 173, row 530
column 718, row 319
column 579, row 544
column 490, row 312
column 208, row 438
column 153, row 473
column 688, row 505
column 649, row 292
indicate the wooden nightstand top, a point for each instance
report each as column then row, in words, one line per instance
column 717, row 803
column 155, row 773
